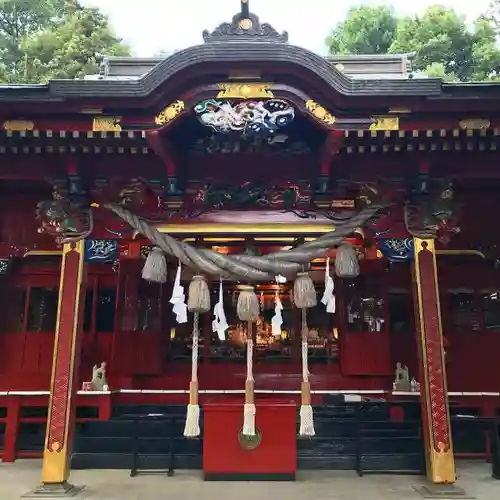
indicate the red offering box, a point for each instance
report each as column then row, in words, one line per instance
column 226, row 457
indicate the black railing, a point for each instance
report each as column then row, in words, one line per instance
column 490, row 427
column 136, row 436
column 406, row 441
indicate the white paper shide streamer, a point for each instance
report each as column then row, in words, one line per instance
column 219, row 324
column 178, row 299
column 277, row 320
column 329, row 297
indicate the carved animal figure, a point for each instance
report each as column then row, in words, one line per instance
column 64, row 221
column 99, row 380
column 402, row 378
column 247, row 118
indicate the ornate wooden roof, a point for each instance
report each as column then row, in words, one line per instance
column 224, row 54
column 242, row 44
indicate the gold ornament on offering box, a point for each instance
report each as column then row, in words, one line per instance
column 169, row 113
column 245, row 91
column 320, row 113
column 250, row 442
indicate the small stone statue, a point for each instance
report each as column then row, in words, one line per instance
column 402, row 378
column 415, row 386
column 99, row 380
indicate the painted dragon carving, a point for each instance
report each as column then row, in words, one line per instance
column 248, row 118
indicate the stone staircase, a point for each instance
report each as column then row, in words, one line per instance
column 385, row 445
column 348, row 438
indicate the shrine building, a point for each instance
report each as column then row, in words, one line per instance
column 300, row 250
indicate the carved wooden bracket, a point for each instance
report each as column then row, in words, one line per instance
column 158, row 143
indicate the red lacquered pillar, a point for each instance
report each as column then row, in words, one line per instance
column 11, row 428
column 62, row 408
column 433, row 390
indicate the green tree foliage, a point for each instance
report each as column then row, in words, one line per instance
column 367, row 30
column 493, row 14
column 42, row 40
column 443, row 44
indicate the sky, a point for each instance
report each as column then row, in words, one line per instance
column 151, row 26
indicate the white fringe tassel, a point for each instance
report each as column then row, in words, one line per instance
column 192, row 427
column 249, row 420
column 306, row 421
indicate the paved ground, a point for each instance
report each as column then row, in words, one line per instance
column 16, row 479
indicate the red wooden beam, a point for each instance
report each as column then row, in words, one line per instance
column 158, row 143
column 331, row 148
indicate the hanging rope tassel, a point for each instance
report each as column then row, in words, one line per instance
column 198, row 303
column 305, row 297
column 346, row 262
column 249, row 408
column 248, row 310
column 155, row 267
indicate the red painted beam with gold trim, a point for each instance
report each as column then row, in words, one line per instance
column 61, row 419
column 434, row 393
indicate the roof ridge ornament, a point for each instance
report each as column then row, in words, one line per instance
column 246, row 27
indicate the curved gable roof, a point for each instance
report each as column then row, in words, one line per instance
column 242, row 41
column 225, row 54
